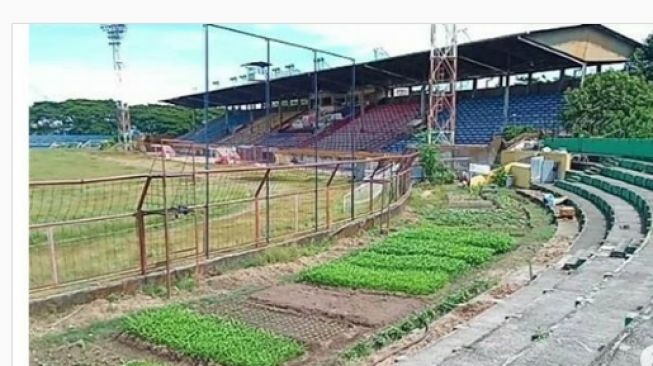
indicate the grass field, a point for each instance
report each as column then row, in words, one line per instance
column 51, row 164
column 98, row 248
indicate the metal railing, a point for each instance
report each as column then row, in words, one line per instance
column 95, row 230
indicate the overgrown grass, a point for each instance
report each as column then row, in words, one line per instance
column 206, row 338
column 94, row 332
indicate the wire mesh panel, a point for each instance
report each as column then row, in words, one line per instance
column 123, row 226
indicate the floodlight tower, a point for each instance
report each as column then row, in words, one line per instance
column 442, row 83
column 115, row 34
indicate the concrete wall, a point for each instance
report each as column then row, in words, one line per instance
column 587, row 44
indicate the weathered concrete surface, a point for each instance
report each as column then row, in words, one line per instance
column 560, row 319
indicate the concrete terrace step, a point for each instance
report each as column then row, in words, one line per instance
column 627, row 223
column 548, row 322
column 641, row 199
column 491, row 337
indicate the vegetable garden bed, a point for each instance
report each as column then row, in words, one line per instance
column 211, row 339
column 415, row 261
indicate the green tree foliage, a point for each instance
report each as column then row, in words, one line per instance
column 84, row 116
column 610, row 104
column 641, row 62
column 434, row 170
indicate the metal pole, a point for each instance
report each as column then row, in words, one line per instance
column 165, row 223
column 351, row 139
column 267, row 115
column 280, row 41
column 506, row 99
column 206, row 96
column 206, row 138
column 197, row 244
column 317, row 118
column 267, row 86
column 267, row 208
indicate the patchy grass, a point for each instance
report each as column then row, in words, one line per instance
column 94, row 332
column 186, row 284
column 49, row 164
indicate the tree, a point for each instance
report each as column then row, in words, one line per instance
column 84, row 116
column 610, row 104
column 641, row 62
column 434, row 170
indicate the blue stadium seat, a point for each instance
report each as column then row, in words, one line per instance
column 221, row 127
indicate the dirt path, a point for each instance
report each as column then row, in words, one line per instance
column 255, row 277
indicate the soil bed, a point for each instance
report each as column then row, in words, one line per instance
column 358, row 308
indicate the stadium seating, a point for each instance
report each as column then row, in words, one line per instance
column 285, row 139
column 480, row 118
column 254, row 131
column 223, row 126
column 540, row 111
column 372, row 130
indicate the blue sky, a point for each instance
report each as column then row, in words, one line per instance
column 166, row 60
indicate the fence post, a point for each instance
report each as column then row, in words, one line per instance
column 257, row 219
column 166, row 238
column 206, row 216
column 140, row 230
column 328, row 196
column 352, row 188
column 328, row 213
column 371, row 204
column 140, row 225
column 267, row 208
column 53, row 256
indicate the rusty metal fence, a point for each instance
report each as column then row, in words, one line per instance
column 88, row 231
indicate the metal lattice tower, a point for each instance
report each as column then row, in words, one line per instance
column 442, row 84
column 115, row 34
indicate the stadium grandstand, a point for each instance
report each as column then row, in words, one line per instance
column 513, row 80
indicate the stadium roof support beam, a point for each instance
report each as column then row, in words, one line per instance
column 569, row 57
column 482, row 64
column 281, row 41
column 393, row 74
column 527, row 57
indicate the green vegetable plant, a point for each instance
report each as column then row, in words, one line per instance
column 211, row 339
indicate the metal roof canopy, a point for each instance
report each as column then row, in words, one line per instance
column 514, row 54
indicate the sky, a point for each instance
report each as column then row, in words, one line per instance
column 167, row 60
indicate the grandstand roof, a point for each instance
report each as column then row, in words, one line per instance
column 541, row 50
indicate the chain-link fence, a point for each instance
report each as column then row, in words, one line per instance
column 108, row 228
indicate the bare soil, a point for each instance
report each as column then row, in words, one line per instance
column 420, row 338
column 254, row 277
column 326, row 320
column 355, row 307
column 110, row 352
